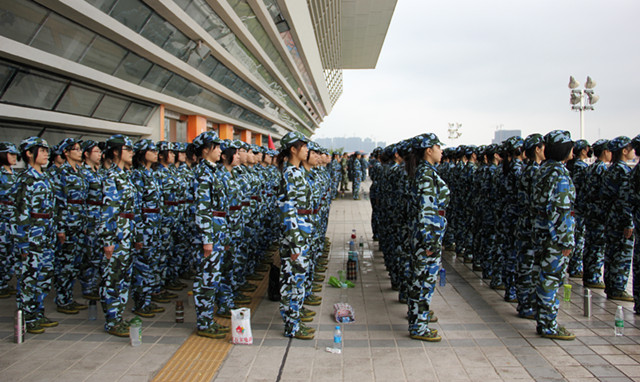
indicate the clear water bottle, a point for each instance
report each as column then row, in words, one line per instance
column 443, row 277
column 361, row 245
column 619, row 328
column 93, row 310
column 352, row 246
column 135, row 331
column 337, row 339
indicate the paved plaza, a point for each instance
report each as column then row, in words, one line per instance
column 482, row 337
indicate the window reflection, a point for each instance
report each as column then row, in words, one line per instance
column 32, row 90
column 78, row 100
column 19, row 21
column 111, row 108
column 62, row 37
column 103, row 55
column 132, row 13
column 137, row 114
column 133, row 68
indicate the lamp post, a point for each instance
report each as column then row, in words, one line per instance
column 454, row 132
column 577, row 98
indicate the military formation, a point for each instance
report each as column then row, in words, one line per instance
column 132, row 220
column 526, row 213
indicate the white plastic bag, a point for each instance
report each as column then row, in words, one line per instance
column 241, row 326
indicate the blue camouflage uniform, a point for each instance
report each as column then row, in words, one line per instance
column 578, row 174
column 34, row 234
column 553, row 199
column 357, row 177
column 7, row 205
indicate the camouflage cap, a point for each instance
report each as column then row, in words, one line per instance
column 179, row 147
column 533, row 140
column 88, row 145
column 119, row 140
column 601, row 144
column 581, row 144
column 619, row 143
column 514, row 143
column 557, row 137
column 8, row 147
column 144, row 145
column 426, row 140
column 30, row 142
column 635, row 142
column 312, row 146
column 292, row 137
column 205, row 138
column 230, row 144
column 66, row 144
column 165, row 146
column 470, row 149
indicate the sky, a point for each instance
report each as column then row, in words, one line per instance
column 495, row 64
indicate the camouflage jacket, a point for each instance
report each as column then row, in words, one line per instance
column 617, row 195
column 120, row 206
column 211, row 206
column 431, row 198
column 294, row 201
column 71, row 190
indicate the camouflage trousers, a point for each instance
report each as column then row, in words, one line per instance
column 205, row 287
column 90, row 267
column 67, row 266
column 344, row 182
column 7, row 257
column 292, row 290
column 143, row 278
column 35, row 275
column 166, row 251
column 226, row 287
column 636, row 270
column 593, row 253
column 575, row 263
column 550, row 278
column 356, row 188
column 424, row 273
column 617, row 261
column 487, row 255
column 182, row 244
column 116, row 282
column 525, row 281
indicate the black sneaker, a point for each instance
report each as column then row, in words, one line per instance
column 144, row 312
column 47, row 323
column 153, row 308
column 120, row 330
column 67, row 309
column 79, row 306
column 34, row 328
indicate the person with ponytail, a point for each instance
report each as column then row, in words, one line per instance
column 294, row 201
column 431, row 197
column 148, row 222
column 212, row 206
column 617, row 193
column 34, row 234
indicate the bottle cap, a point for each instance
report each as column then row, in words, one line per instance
column 338, row 327
column 135, row 321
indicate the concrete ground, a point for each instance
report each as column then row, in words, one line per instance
column 483, row 339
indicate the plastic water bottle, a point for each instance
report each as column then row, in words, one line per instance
column 443, row 277
column 619, row 328
column 352, row 246
column 135, row 331
column 93, row 310
column 361, row 245
column 337, row 339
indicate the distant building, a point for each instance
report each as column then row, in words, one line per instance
column 350, row 144
column 501, row 135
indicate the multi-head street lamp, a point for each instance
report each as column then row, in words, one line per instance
column 579, row 96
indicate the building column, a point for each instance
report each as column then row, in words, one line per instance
column 161, row 122
column 226, row 131
column 196, row 125
column 245, row 136
column 258, row 139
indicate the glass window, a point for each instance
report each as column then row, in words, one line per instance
column 175, row 86
column 208, row 66
column 33, row 90
column 5, row 75
column 191, row 92
column 137, row 113
column 179, row 45
column 61, row 37
column 132, row 13
column 157, row 78
column 103, row 55
column 157, row 30
column 111, row 108
column 133, row 68
column 78, row 100
column 20, row 19
column 103, row 5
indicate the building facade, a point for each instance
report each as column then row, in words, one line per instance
column 171, row 69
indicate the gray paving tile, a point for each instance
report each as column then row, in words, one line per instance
column 382, row 343
column 461, row 342
column 356, row 343
column 601, row 371
column 72, row 337
column 487, row 342
column 591, row 360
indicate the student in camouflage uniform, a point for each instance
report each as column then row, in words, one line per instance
column 211, row 210
column 34, row 234
column 578, row 169
column 527, row 247
column 553, row 199
column 635, row 202
column 431, row 197
column 357, row 175
column 90, row 268
column 294, row 201
column 182, row 230
column 617, row 194
column 8, row 158
column 120, row 206
column 595, row 216
column 344, row 170
column 148, row 223
column 71, row 190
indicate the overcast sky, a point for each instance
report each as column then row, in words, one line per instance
column 496, row 63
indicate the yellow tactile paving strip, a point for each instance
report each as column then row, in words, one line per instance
column 199, row 358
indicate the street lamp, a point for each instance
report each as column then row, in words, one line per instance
column 454, row 132
column 577, row 98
